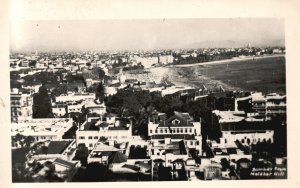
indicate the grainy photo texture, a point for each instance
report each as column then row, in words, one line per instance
column 148, row 100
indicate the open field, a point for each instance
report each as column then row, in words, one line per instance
column 265, row 74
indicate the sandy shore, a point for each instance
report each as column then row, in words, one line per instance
column 188, row 77
column 179, row 78
column 230, row 60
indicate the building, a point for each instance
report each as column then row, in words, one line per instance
column 43, row 129
column 269, row 105
column 59, row 110
column 179, row 127
column 97, row 108
column 275, row 105
column 62, row 149
column 102, row 151
column 21, row 106
column 71, row 97
column 239, row 126
column 232, row 152
column 111, row 128
column 75, row 106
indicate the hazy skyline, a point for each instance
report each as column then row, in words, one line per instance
column 145, row 34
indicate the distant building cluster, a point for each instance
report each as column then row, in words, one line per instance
column 224, row 135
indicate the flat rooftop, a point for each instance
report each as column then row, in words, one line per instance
column 43, row 126
column 97, row 124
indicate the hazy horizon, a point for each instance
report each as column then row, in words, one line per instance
column 90, row 35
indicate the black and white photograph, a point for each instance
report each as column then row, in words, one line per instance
column 148, row 100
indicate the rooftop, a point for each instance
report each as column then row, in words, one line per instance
column 57, row 147
column 96, row 124
column 43, row 126
column 177, row 120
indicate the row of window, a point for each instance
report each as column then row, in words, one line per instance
column 96, row 137
column 176, row 130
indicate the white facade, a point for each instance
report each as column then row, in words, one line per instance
column 74, row 107
column 111, row 131
column 21, row 107
column 248, row 137
column 236, row 125
column 59, row 110
column 75, row 97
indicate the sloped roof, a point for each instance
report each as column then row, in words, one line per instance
column 185, row 120
column 57, row 147
column 117, row 157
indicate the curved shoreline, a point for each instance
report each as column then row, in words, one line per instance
column 227, row 60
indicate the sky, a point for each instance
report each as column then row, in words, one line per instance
column 83, row 35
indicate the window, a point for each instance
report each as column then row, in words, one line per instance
column 185, row 130
column 191, row 130
column 181, row 130
column 197, row 143
column 155, row 131
column 90, row 145
column 161, row 131
column 166, row 130
column 96, row 137
column 150, row 131
column 90, row 137
column 82, row 137
column 176, row 121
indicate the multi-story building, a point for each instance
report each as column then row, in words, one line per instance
column 21, row 106
column 269, row 105
column 59, row 110
column 75, row 106
column 111, row 128
column 239, row 126
column 259, row 103
column 179, row 127
column 275, row 105
column 97, row 108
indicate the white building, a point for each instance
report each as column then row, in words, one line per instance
column 75, row 97
column 21, row 106
column 180, row 126
column 98, row 108
column 242, row 127
column 111, row 128
column 59, row 110
column 269, row 105
column 75, row 106
column 43, row 129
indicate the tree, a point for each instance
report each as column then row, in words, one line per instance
column 42, row 104
column 18, row 138
column 101, row 74
column 100, row 92
column 82, row 153
column 28, row 140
